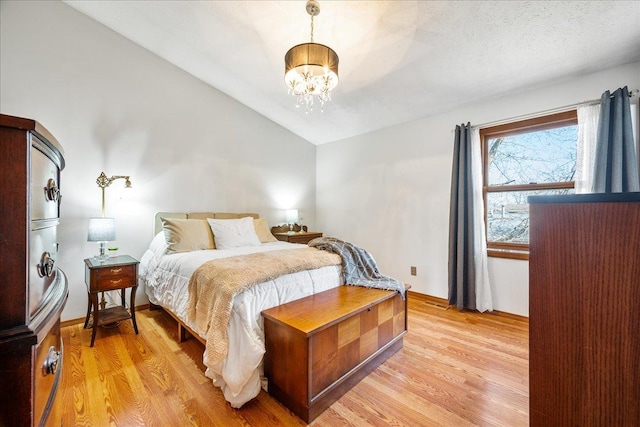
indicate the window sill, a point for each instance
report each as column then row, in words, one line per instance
column 508, row 253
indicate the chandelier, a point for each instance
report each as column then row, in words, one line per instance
column 311, row 69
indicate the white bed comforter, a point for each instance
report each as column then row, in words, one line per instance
column 240, row 375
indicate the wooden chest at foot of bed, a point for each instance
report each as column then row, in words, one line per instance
column 320, row 346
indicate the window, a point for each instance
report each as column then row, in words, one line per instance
column 520, row 159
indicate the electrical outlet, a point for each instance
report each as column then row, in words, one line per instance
column 413, row 271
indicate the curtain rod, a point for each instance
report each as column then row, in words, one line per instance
column 632, row 93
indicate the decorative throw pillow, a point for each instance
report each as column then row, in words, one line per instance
column 233, row 233
column 262, row 230
column 185, row 235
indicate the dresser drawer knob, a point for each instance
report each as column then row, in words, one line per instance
column 51, row 191
column 115, row 282
column 116, row 270
column 45, row 267
column 51, row 362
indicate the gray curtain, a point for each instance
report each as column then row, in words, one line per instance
column 462, row 275
column 616, row 166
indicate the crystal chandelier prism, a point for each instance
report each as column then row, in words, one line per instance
column 311, row 69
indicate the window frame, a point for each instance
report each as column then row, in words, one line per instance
column 550, row 121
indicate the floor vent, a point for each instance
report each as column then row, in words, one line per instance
column 437, row 305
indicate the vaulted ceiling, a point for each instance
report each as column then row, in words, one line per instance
column 399, row 60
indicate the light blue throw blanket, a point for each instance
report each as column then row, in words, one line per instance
column 359, row 266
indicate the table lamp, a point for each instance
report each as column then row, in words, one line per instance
column 101, row 230
column 291, row 216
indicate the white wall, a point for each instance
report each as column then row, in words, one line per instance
column 117, row 108
column 388, row 191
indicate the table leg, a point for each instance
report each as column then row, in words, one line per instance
column 96, row 315
column 89, row 304
column 133, row 308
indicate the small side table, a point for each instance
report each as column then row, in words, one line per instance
column 117, row 273
column 303, row 237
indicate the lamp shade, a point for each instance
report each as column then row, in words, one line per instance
column 101, row 230
column 291, row 215
column 311, row 68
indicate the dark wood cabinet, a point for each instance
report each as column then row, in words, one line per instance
column 33, row 290
column 584, row 310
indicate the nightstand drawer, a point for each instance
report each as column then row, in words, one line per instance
column 114, row 282
column 302, row 237
column 105, row 279
column 116, row 271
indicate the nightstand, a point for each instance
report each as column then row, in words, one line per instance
column 117, row 273
column 303, row 237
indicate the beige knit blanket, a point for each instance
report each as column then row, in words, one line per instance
column 214, row 284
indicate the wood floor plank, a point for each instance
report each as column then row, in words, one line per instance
column 76, row 395
column 456, row 368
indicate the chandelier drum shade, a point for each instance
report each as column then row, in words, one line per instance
column 311, row 69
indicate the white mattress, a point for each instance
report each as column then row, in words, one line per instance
column 240, row 375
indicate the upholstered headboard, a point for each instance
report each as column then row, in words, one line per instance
column 157, row 225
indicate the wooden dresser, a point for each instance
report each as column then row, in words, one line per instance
column 320, row 346
column 33, row 290
column 584, row 310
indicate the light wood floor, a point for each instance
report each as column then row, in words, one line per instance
column 456, row 369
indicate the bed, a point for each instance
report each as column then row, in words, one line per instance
column 167, row 275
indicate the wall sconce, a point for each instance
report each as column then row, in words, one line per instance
column 103, row 182
column 101, row 230
column 291, row 216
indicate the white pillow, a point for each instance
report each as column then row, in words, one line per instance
column 233, row 233
column 158, row 245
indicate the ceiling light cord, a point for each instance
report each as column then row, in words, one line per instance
column 311, row 28
column 313, row 9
